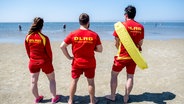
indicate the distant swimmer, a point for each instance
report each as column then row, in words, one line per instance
column 64, row 27
column 20, row 27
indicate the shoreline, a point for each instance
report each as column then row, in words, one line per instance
column 161, row 83
column 18, row 42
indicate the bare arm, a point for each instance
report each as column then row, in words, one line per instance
column 48, row 48
column 64, row 49
column 117, row 42
column 27, row 49
column 140, row 42
column 99, row 48
column 139, row 45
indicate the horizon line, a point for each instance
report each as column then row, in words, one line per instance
column 95, row 21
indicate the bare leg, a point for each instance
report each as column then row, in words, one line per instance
column 91, row 89
column 34, row 86
column 113, row 84
column 73, row 88
column 128, row 87
column 52, row 82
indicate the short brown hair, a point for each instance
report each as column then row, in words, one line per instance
column 83, row 19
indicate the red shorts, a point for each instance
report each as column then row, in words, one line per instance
column 35, row 66
column 88, row 72
column 120, row 64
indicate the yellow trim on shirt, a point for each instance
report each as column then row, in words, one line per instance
column 118, row 54
column 43, row 38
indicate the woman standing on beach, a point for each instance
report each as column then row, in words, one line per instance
column 40, row 54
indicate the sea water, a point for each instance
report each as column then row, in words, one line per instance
column 9, row 32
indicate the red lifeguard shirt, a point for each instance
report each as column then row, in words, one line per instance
column 38, row 47
column 83, row 43
column 136, row 31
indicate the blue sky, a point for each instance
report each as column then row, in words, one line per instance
column 99, row 10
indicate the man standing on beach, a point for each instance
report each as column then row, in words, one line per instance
column 84, row 43
column 123, row 59
column 40, row 57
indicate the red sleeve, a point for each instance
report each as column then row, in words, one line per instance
column 98, row 40
column 68, row 39
column 115, row 34
column 48, row 48
column 142, row 35
column 27, row 47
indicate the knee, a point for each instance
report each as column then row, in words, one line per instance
column 129, row 84
column 34, row 82
column 52, row 80
column 114, row 78
column 51, row 77
column 91, row 84
column 114, row 75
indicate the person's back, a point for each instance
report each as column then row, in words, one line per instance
column 36, row 43
column 136, row 32
column 40, row 58
column 135, row 29
column 123, row 59
column 83, row 45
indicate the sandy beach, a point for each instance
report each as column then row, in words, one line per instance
column 161, row 83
